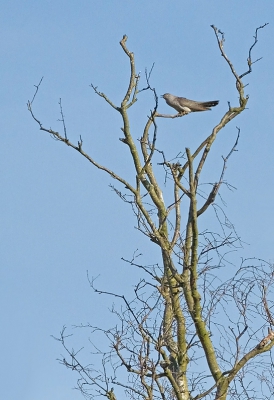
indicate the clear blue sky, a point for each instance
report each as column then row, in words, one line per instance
column 58, row 216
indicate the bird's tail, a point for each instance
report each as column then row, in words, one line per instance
column 212, row 103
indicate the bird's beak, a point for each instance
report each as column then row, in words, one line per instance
column 162, row 95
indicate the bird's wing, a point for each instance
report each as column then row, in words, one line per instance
column 193, row 105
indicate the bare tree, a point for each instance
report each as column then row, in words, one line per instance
column 187, row 333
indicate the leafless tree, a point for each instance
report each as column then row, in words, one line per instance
column 187, row 333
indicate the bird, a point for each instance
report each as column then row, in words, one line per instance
column 185, row 106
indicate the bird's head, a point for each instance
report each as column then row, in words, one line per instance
column 166, row 96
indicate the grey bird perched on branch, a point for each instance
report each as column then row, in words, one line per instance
column 185, row 106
